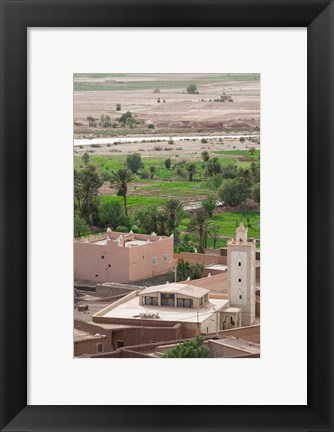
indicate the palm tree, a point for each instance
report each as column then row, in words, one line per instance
column 191, row 168
column 120, row 180
column 162, row 218
column 200, row 224
column 173, row 208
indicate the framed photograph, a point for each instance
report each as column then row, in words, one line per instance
column 179, row 98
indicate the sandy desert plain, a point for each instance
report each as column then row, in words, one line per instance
column 184, row 126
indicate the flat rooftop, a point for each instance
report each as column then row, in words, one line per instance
column 93, row 308
column 129, row 243
column 240, row 344
column 132, row 309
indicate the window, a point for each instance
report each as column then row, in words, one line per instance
column 167, row 299
column 109, row 265
column 96, row 275
column 239, row 280
column 150, row 301
column 240, row 296
column 166, row 258
column 102, row 256
column 100, row 348
column 239, row 264
column 154, row 261
column 143, row 257
column 182, row 302
column 120, row 344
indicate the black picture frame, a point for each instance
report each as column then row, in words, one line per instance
column 16, row 17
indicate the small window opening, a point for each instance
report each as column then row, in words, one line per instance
column 102, row 256
column 239, row 280
column 240, row 296
column 239, row 264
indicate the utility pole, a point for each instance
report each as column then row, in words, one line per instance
column 217, row 322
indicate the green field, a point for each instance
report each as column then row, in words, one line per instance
column 135, row 201
column 132, row 85
column 165, row 185
column 228, row 222
column 116, row 161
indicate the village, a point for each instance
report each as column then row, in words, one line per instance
column 117, row 317
column 166, row 216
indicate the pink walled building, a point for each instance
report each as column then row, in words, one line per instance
column 122, row 257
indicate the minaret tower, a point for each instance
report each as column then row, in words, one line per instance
column 241, row 275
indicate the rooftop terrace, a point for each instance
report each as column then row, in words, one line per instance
column 131, row 309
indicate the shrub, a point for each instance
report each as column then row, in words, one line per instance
column 80, row 227
column 151, row 126
column 168, row 163
column 233, row 192
column 152, row 171
column 85, row 158
column 130, row 122
column 91, row 120
column 112, row 213
column 118, row 107
column 204, row 140
column 205, row 156
column 134, row 162
column 189, row 349
column 144, row 175
column 229, row 171
column 192, row 89
column 124, row 117
column 122, row 228
column 105, row 121
column 157, row 148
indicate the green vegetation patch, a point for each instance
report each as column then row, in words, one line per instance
column 229, row 221
column 134, row 201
